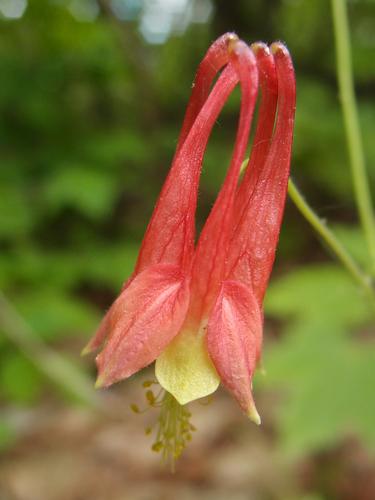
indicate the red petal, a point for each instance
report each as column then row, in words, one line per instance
column 255, row 238
column 212, row 246
column 104, row 328
column 171, row 232
column 170, row 235
column 99, row 337
column 142, row 322
column 216, row 57
column 265, row 126
column 234, row 338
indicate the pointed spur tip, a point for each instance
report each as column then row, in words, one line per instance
column 100, row 382
column 86, row 350
column 253, row 415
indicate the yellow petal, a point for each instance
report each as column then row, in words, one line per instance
column 185, row 370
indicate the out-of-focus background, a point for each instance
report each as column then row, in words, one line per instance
column 92, row 94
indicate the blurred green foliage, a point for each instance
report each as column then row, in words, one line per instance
column 89, row 118
column 324, row 364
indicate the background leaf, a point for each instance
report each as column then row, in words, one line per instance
column 323, row 365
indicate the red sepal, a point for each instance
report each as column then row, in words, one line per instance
column 142, row 321
column 234, row 338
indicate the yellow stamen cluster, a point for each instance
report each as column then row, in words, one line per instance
column 173, row 427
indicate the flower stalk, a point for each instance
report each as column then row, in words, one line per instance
column 352, row 126
column 331, row 240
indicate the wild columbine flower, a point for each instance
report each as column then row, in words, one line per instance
column 197, row 309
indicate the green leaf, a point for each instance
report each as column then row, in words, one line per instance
column 7, row 435
column 54, row 314
column 117, row 147
column 16, row 219
column 322, row 366
column 318, row 294
column 110, row 266
column 20, row 382
column 89, row 191
column 353, row 239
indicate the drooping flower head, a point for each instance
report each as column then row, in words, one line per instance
column 197, row 308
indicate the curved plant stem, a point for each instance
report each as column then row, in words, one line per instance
column 52, row 364
column 331, row 240
column 351, row 122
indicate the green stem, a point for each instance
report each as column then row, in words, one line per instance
column 351, row 122
column 331, row 240
column 56, row 367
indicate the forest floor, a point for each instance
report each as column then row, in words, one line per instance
column 70, row 453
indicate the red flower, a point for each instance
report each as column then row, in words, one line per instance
column 197, row 310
